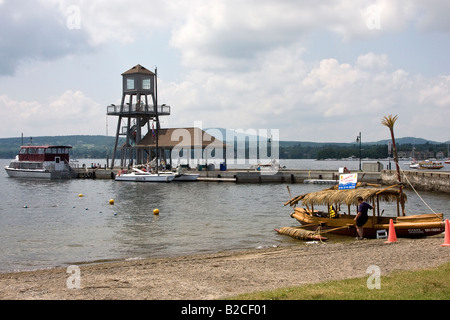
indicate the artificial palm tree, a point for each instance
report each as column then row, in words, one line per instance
column 389, row 122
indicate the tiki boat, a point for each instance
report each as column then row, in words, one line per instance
column 330, row 210
column 338, row 218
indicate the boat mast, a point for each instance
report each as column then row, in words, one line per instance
column 448, row 150
column 389, row 122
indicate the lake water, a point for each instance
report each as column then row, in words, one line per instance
column 46, row 224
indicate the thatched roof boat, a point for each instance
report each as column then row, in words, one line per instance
column 349, row 196
column 344, row 202
column 337, row 216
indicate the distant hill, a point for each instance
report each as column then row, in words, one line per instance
column 98, row 146
column 409, row 140
column 95, row 147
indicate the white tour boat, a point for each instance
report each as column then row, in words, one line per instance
column 45, row 162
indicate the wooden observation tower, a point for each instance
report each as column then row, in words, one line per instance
column 138, row 115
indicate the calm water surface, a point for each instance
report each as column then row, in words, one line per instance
column 46, row 224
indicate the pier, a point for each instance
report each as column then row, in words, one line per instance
column 421, row 180
column 244, row 175
column 288, row 176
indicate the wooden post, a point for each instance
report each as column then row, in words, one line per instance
column 373, row 205
column 398, row 207
column 378, row 206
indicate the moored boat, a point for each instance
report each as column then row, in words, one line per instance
column 141, row 175
column 414, row 164
column 340, row 202
column 138, row 175
column 338, row 219
column 182, row 175
column 428, row 165
column 44, row 162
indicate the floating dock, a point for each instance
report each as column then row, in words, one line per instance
column 318, row 181
column 429, row 180
column 211, row 179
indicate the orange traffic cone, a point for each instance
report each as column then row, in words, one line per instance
column 447, row 235
column 392, row 237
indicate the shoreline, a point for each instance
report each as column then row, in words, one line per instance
column 225, row 274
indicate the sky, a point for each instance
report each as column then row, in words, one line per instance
column 319, row 71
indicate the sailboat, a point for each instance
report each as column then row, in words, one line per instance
column 139, row 175
column 336, row 215
column 448, row 154
column 413, row 164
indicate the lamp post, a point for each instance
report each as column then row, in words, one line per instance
column 358, row 139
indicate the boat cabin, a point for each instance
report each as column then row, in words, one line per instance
column 46, row 162
column 45, row 153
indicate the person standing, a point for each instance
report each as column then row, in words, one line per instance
column 362, row 217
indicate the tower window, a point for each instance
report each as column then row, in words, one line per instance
column 146, row 84
column 130, row 84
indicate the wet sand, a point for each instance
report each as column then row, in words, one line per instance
column 225, row 274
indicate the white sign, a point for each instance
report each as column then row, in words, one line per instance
column 348, row 181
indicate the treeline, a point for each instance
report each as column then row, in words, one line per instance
column 83, row 147
column 367, row 151
column 100, row 147
column 331, row 151
column 372, row 151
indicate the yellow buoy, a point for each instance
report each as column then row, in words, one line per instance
column 111, row 201
column 156, row 212
column 80, row 195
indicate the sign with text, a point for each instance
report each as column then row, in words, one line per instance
column 348, row 181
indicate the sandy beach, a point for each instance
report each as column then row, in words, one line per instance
column 221, row 275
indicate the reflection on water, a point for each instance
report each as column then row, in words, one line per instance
column 46, row 223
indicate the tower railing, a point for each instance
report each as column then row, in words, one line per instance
column 163, row 110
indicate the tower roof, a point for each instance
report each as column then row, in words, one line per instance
column 138, row 69
column 166, row 140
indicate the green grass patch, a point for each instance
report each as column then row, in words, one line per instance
column 427, row 284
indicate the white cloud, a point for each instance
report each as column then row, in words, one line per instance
column 329, row 101
column 70, row 113
column 372, row 60
column 124, row 21
column 228, row 34
column 222, row 34
column 245, row 62
column 32, row 30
